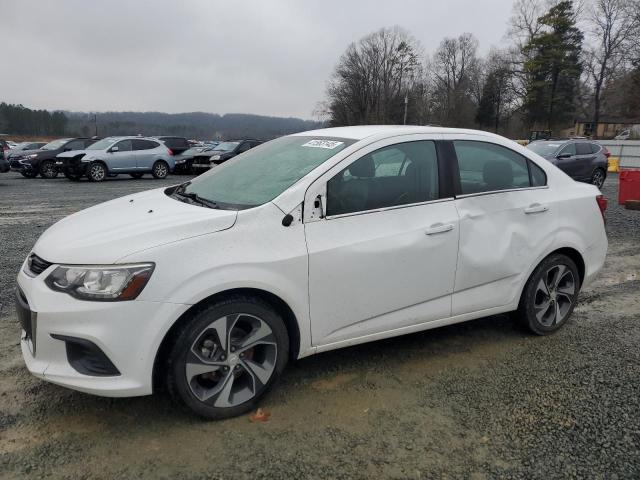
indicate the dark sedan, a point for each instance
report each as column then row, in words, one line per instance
column 582, row 160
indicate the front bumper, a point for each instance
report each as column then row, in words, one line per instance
column 127, row 333
column 20, row 166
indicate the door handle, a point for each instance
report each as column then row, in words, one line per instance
column 536, row 208
column 439, row 228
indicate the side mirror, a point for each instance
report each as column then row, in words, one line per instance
column 564, row 155
column 114, row 149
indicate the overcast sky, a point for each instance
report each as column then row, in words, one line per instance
column 266, row 57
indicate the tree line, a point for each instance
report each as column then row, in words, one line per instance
column 20, row 120
column 562, row 60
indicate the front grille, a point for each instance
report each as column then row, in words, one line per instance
column 37, row 265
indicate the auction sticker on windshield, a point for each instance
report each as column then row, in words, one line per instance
column 330, row 144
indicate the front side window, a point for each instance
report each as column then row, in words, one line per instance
column 262, row 173
column 396, row 175
column 124, row 146
column 569, row 149
column 487, row 167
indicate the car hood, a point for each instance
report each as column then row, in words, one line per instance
column 70, row 153
column 23, row 153
column 110, row 231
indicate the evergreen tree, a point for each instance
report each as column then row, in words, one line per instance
column 553, row 68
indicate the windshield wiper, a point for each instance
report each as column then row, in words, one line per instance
column 194, row 197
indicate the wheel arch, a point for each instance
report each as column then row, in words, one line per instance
column 285, row 311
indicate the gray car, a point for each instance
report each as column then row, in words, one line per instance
column 113, row 155
column 582, row 160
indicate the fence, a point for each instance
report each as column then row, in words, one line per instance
column 628, row 151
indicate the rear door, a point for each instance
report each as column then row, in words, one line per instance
column 507, row 218
column 383, row 258
column 584, row 161
column 568, row 160
column 145, row 153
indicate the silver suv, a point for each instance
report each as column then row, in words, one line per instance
column 112, row 155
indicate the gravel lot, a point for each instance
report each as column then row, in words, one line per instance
column 478, row 400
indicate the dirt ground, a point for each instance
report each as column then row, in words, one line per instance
column 483, row 399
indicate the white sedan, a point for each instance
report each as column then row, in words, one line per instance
column 307, row 243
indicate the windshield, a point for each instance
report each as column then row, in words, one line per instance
column 102, row 144
column 262, row 173
column 55, row 144
column 226, row 146
column 543, row 148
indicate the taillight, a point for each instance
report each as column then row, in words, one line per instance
column 602, row 205
column 170, row 151
column 606, row 152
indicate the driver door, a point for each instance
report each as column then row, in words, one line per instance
column 382, row 238
column 121, row 156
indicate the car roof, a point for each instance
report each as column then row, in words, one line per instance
column 363, row 131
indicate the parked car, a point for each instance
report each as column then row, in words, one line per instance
column 221, row 153
column 28, row 146
column 42, row 161
column 114, row 155
column 632, row 133
column 180, row 147
column 308, row 243
column 582, row 160
column 4, row 148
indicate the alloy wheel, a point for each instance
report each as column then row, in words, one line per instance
column 160, row 170
column 231, row 360
column 48, row 170
column 97, row 172
column 598, row 178
column 555, row 294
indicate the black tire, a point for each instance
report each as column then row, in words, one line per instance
column 97, row 172
column 29, row 174
column 237, row 311
column 48, row 169
column 560, row 298
column 73, row 176
column 598, row 177
column 136, row 175
column 160, row 169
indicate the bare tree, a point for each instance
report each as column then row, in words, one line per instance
column 372, row 78
column 455, row 72
column 614, row 25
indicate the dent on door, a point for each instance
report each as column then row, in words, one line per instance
column 501, row 235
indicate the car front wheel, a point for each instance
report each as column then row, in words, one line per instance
column 227, row 357
column 160, row 169
column 550, row 295
column 597, row 178
column 48, row 170
column 97, row 172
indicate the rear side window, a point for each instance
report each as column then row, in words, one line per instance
column 486, row 167
column 583, row 148
column 396, row 175
column 595, row 148
column 538, row 177
column 144, row 144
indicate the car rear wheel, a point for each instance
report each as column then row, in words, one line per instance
column 136, row 175
column 550, row 295
column 227, row 357
column 97, row 172
column 597, row 178
column 48, row 169
column 160, row 169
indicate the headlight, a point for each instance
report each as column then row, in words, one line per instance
column 33, row 155
column 101, row 283
column 178, row 162
column 215, row 157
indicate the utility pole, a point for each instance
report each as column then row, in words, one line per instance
column 406, row 102
column 95, row 125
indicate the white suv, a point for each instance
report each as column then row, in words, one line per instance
column 307, row 243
